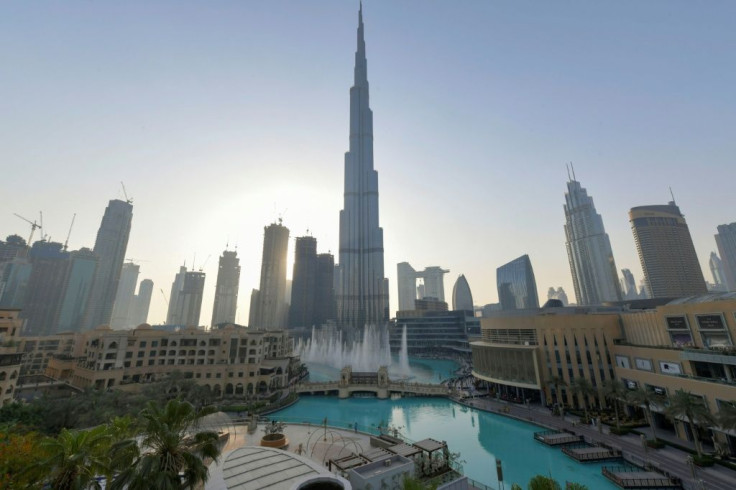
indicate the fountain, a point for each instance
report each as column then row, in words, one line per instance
column 404, row 354
column 327, row 347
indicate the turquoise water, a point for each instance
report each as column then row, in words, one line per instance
column 480, row 437
column 423, row 370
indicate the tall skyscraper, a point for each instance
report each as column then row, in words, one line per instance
column 141, row 303
column 189, row 299
column 270, row 305
column 517, row 288
column 46, row 285
column 589, row 252
column 324, row 300
column 406, row 279
column 124, row 297
column 304, row 281
column 172, row 315
column 716, row 270
column 110, row 247
column 558, row 294
column 226, row 290
column 629, row 289
column 77, row 290
column 432, row 286
column 666, row 252
column 362, row 297
column 726, row 241
column 462, row 298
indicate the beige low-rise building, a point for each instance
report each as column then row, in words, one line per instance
column 10, row 359
column 522, row 352
column 662, row 346
column 231, row 361
column 685, row 344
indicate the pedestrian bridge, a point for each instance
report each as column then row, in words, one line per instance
column 365, row 382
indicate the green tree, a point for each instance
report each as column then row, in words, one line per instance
column 583, row 387
column 692, row 408
column 575, row 486
column 558, row 381
column 75, row 458
column 173, row 449
column 647, row 399
column 19, row 454
column 614, row 391
column 541, row 482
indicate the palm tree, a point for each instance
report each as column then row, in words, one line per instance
column 541, row 482
column 727, row 416
column 642, row 397
column 558, row 381
column 614, row 390
column 74, row 458
column 684, row 405
column 171, row 450
column 585, row 389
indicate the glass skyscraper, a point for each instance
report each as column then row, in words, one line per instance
column 517, row 288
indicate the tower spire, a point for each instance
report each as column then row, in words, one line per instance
column 361, row 65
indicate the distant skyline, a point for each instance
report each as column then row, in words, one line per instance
column 221, row 117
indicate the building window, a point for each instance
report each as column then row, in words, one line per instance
column 713, row 330
column 670, row 368
column 142, row 343
column 643, row 364
column 623, row 361
column 679, row 330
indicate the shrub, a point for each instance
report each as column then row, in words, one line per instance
column 703, row 460
column 620, row 432
column 655, row 443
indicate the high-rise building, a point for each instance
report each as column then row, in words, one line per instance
column 589, row 252
column 226, row 290
column 324, row 300
column 270, row 305
column 312, row 286
column 110, row 247
column 406, row 278
column 141, row 303
column 716, row 270
column 45, row 291
column 172, row 315
column 14, row 277
column 304, row 281
column 558, row 294
column 462, row 298
column 666, row 252
column 13, row 246
column 360, row 286
column 77, row 290
column 726, row 241
column 432, row 286
column 189, row 299
column 629, row 289
column 124, row 297
column 517, row 288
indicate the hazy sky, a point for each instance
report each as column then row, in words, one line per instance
column 221, row 116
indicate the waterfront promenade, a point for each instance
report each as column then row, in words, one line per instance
column 668, row 459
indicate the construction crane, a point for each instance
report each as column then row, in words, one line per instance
column 164, row 295
column 125, row 193
column 33, row 224
column 70, row 232
column 205, row 262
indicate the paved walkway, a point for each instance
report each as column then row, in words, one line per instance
column 669, row 459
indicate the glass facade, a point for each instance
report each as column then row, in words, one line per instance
column 517, row 288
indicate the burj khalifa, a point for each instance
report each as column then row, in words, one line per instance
column 360, row 286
